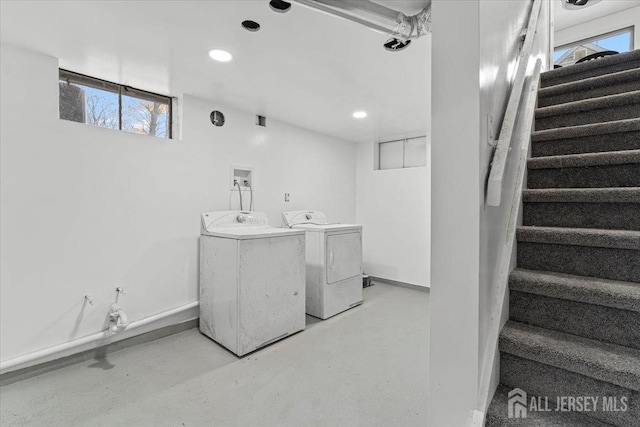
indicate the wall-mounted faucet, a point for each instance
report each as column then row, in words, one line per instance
column 119, row 320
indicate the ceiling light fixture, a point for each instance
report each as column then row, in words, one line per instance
column 359, row 114
column 578, row 4
column 220, row 55
column 280, row 6
column 249, row 25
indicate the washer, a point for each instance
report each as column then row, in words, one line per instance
column 252, row 280
column 334, row 262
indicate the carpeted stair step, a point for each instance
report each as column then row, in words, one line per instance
column 541, row 380
column 608, row 136
column 598, row 67
column 587, row 170
column 608, row 208
column 607, row 254
column 588, row 290
column 600, row 309
column 498, row 415
column 605, row 362
column 551, row 363
column 593, row 87
column 596, row 110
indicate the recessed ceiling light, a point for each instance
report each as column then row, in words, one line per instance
column 359, row 114
column 280, row 6
column 249, row 25
column 220, row 55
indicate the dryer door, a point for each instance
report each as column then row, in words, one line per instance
column 343, row 256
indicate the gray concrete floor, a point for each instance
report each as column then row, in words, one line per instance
column 364, row 367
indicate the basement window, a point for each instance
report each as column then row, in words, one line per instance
column 617, row 41
column 97, row 102
column 402, row 153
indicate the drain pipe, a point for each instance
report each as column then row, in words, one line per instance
column 377, row 17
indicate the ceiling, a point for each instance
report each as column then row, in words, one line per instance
column 566, row 18
column 302, row 67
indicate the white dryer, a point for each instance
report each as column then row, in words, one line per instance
column 252, row 280
column 334, row 262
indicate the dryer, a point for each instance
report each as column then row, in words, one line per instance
column 334, row 262
column 252, row 280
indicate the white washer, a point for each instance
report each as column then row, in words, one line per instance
column 252, row 280
column 334, row 262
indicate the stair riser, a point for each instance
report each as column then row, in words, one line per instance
column 619, row 112
column 549, row 80
column 615, row 216
column 544, row 380
column 579, row 95
column 606, row 176
column 598, row 322
column 605, row 263
column 588, row 144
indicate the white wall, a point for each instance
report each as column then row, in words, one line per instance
column 393, row 207
column 472, row 67
column 500, row 22
column 605, row 24
column 85, row 209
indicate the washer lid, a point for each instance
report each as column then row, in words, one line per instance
column 240, row 225
column 245, row 233
column 326, row 228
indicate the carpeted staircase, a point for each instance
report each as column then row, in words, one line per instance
column 574, row 301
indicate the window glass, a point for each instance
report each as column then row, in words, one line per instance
column 145, row 116
column 619, row 41
column 415, row 152
column 391, row 154
column 404, row 153
column 100, row 103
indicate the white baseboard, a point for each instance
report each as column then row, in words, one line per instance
column 167, row 318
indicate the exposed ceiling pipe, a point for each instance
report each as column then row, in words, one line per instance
column 377, row 17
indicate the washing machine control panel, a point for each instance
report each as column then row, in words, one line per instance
column 251, row 219
column 233, row 219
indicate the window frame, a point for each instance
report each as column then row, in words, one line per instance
column 630, row 29
column 404, row 152
column 119, row 89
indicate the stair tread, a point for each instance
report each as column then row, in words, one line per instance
column 616, row 126
column 584, row 66
column 497, row 415
column 591, row 82
column 582, row 195
column 584, row 105
column 590, row 290
column 585, row 159
column 616, row 239
column 606, row 362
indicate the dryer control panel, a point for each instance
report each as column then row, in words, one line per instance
column 289, row 219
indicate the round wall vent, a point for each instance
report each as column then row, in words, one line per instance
column 249, row 25
column 280, row 6
column 217, row 118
